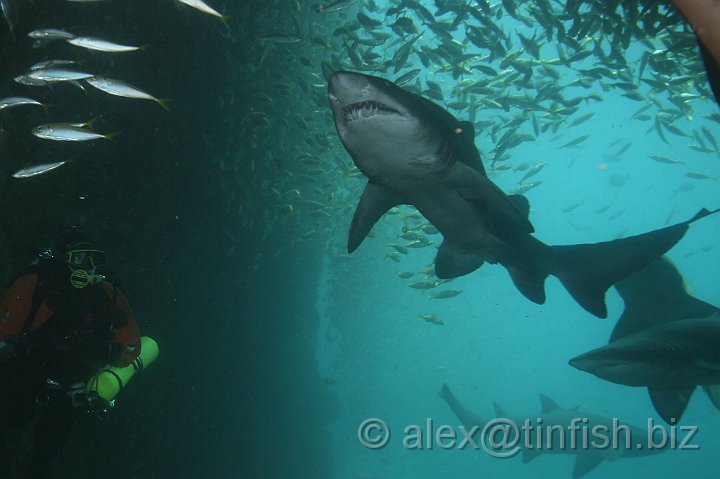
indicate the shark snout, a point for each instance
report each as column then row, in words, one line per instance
column 580, row 363
column 588, row 362
column 347, row 87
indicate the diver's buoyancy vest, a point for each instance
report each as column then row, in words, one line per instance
column 61, row 348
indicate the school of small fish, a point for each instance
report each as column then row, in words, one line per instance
column 49, row 72
column 536, row 81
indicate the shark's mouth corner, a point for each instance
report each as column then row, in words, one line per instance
column 367, row 109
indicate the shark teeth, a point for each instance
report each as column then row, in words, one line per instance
column 367, row 109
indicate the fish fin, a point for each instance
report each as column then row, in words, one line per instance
column 88, row 124
column 46, row 106
column 163, row 102
column 588, row 270
column 586, row 462
column 452, row 262
column 468, row 419
column 530, row 282
column 112, row 136
column 547, row 404
column 653, row 295
column 374, row 202
column 477, row 188
column 530, row 454
column 713, row 393
column 670, row 404
column 499, row 411
column 465, row 136
column 521, row 203
column 77, row 84
column 444, row 392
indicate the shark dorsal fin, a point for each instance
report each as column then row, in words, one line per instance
column 713, row 393
column 521, row 203
column 468, row 129
column 465, row 140
column 670, row 404
column 499, row 411
column 586, row 462
column 547, row 404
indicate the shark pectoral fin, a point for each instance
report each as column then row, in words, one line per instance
column 586, row 462
column 670, row 404
column 713, row 393
column 374, row 202
column 530, row 282
column 452, row 262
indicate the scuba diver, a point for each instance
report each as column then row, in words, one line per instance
column 61, row 321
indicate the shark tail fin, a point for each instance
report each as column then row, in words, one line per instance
column 713, row 393
column 588, row 270
column 467, row 418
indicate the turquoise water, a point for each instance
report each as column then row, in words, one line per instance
column 494, row 345
column 227, row 218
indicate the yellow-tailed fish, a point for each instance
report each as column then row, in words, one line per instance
column 47, row 34
column 14, row 101
column 53, row 63
column 100, row 45
column 431, row 318
column 69, row 132
column 53, row 74
column 203, row 7
column 36, row 170
column 119, row 88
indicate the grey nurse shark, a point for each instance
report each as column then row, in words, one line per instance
column 666, row 340
column 611, row 436
column 415, row 152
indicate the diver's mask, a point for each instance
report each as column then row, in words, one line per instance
column 83, row 264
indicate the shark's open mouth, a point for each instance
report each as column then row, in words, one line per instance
column 367, row 109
